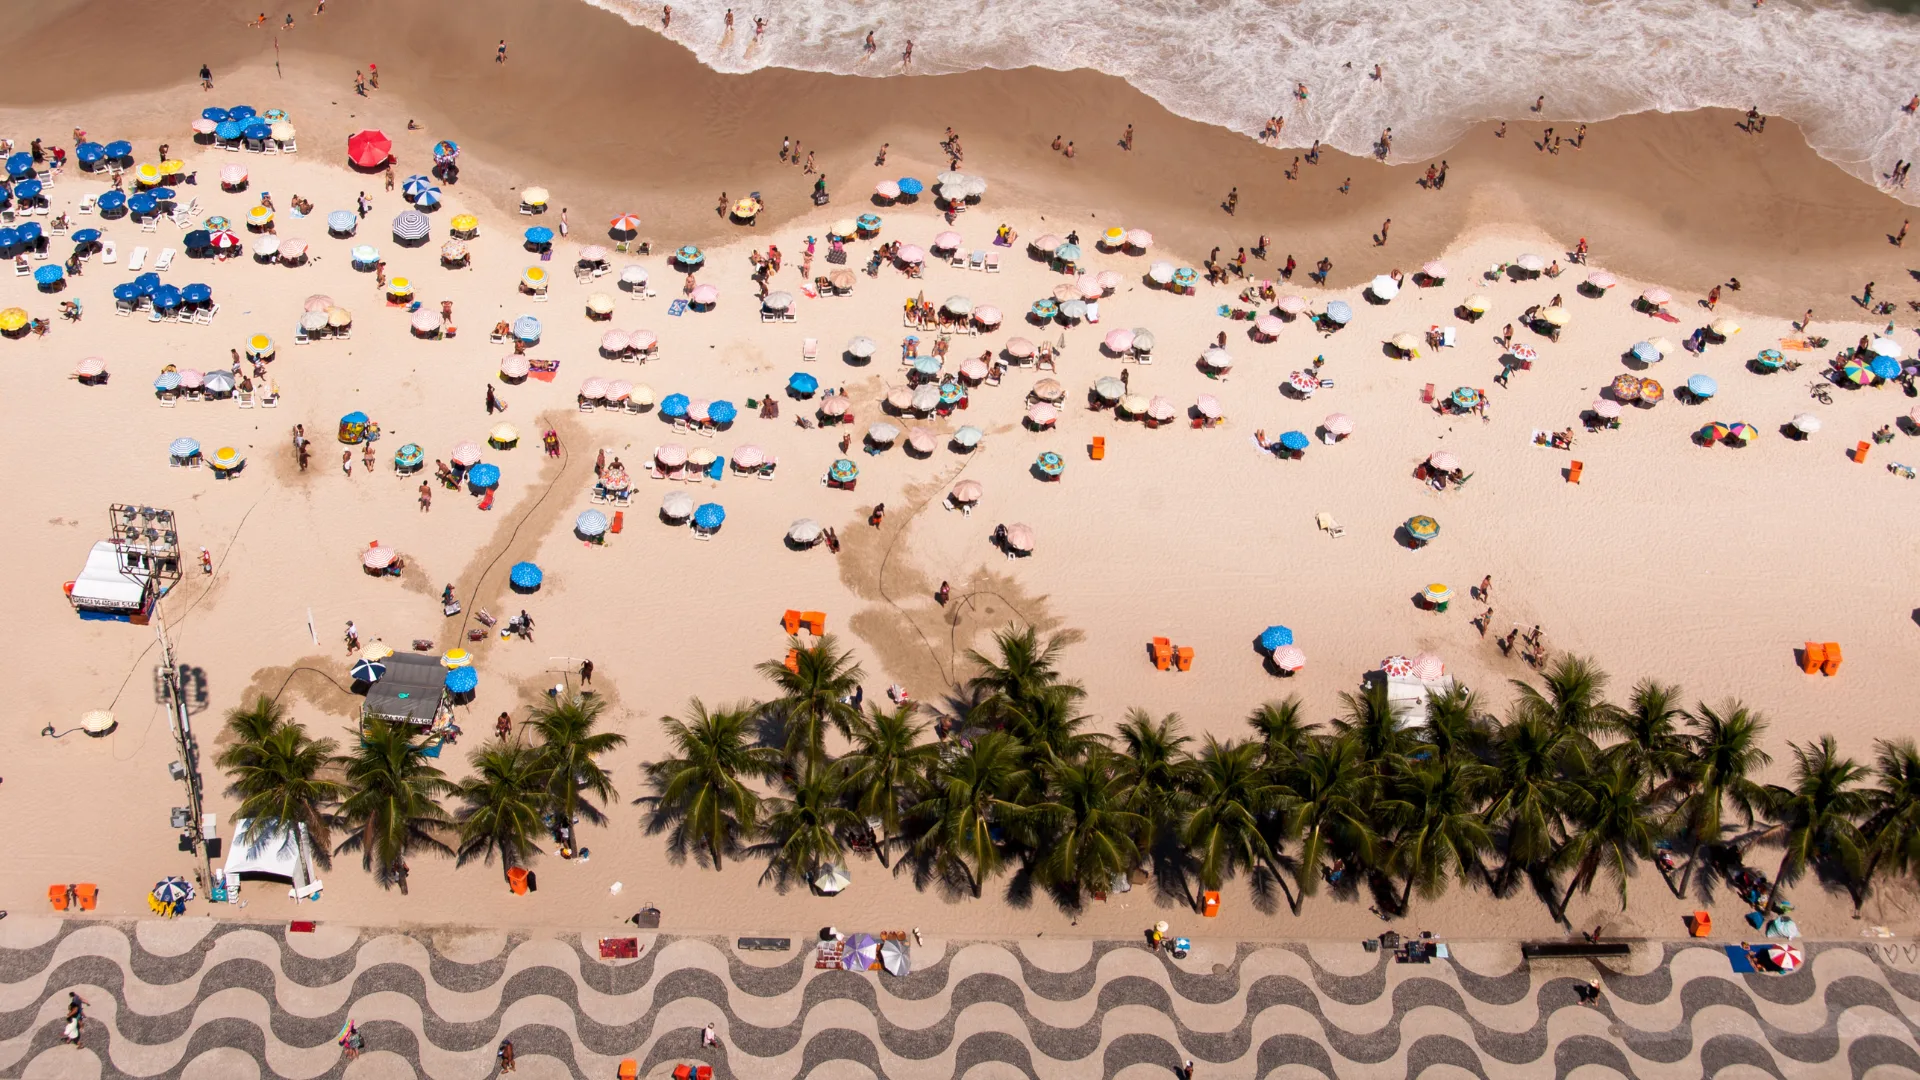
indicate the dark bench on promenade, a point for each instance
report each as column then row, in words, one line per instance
column 1573, row 950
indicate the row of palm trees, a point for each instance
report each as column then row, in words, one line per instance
column 1567, row 787
column 388, row 800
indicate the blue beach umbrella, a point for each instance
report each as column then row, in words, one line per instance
column 526, row 328
column 127, row 292
column 1339, row 313
column 256, row 129
column 428, row 199
column 146, row 283
column 869, row 222
column 111, row 201
column 911, row 186
column 241, row 112
column 539, row 234
column 674, row 405
column 170, row 380
column 87, row 236
column 1294, row 440
column 27, row 189
column 843, row 471
column 688, row 255
column 143, row 204
column 1644, row 352
column 166, row 297
column 1051, row 463
column 1275, row 637
column 709, row 515
column 48, row 275
column 162, row 194
column 367, row 671
column 119, row 148
column 181, row 447
column 1069, row 253
column 89, row 152
column 9, row 238
column 342, row 221
column 1702, row 386
column 803, row 384
column 1884, row 367
column 415, row 184
column 214, row 113
column 20, row 164
column 926, row 365
column 198, row 240
column 590, row 523
column 29, row 232
column 722, row 412
column 446, row 150
column 525, row 575
column 483, row 476
column 171, row 890
column 197, row 293
column 229, row 129
column 463, row 680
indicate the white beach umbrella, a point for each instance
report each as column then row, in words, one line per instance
column 1384, row 287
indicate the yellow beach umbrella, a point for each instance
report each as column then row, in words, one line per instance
column 1724, row 327
column 1477, row 303
column 534, row 196
column 464, row 223
column 339, row 317
column 534, row 276
column 641, row 394
column 13, row 319
column 260, row 345
column 225, row 458
column 259, row 215
column 504, row 433
column 599, row 303
column 1115, row 236
column 400, row 287
column 148, row 173
column 376, row 651
column 1556, row 316
column 172, row 167
column 456, row 658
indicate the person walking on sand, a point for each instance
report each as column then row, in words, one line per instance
column 426, row 497
column 1384, row 226
column 586, row 673
column 1900, row 238
column 1713, row 297
column 206, row 77
column 1126, row 140
column 353, row 637
column 906, row 58
column 1806, row 320
column 504, row 1055
column 373, row 71
column 346, row 463
column 1486, row 588
column 940, row 596
column 500, row 53
column 1346, row 185
column 881, row 157
column 871, row 47
column 1233, row 200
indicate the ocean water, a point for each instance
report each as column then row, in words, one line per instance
column 1842, row 71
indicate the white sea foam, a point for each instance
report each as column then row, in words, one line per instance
column 1838, row 71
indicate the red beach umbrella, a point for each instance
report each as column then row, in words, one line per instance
column 369, row 149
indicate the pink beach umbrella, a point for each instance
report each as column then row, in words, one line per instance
column 1041, row 414
column 1397, row 666
column 593, row 253
column 642, row 339
column 90, row 367
column 922, row 441
column 465, row 453
column 749, row 457
column 887, row 189
column 1161, row 408
column 233, row 174
column 1089, row 287
column 1065, row 292
column 1119, row 341
column 377, row 557
column 968, row 491
column 515, row 367
column 974, row 369
column 1019, row 347
column 292, row 248
column 1046, row 242
column 987, row 315
column 615, row 341
column 1208, row 406
column 1139, row 239
column 697, row 410
column 1600, row 279
column 1110, row 280
column 425, row 322
column 1444, row 460
column 593, row 389
column 320, row 302
column 1656, row 296
column 192, row 379
column 948, row 241
column 618, row 389
column 204, row 126
column 672, row 455
column 910, row 254
column 705, row 294
column 900, row 398
column 835, row 405
column 1338, row 424
column 1436, row 270
column 1606, row 408
column 1292, row 305
column 1269, row 325
column 1019, row 536
column 1289, row 658
column 1427, row 667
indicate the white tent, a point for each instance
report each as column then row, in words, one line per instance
column 275, row 853
column 103, row 585
column 1408, row 697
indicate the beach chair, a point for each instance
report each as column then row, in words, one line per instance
column 108, row 253
column 1162, row 652
column 1183, row 658
column 243, row 398
column 150, row 223
column 289, row 146
column 790, row 622
column 766, row 471
column 21, row 269
column 1831, row 665
column 137, row 260
column 87, row 894
column 810, row 349
column 1812, row 656
column 165, row 260
column 57, row 896
column 1426, row 395
column 86, row 205
column 977, row 261
column 1573, row 471
column 957, row 260
column 1328, row 525
column 204, row 316
column 1098, row 449
column 300, row 335
column 993, row 262
column 816, row 622
column 59, row 228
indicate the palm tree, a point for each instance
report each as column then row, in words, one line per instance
column 504, row 798
column 1028, row 667
column 1437, row 827
column 971, row 794
column 1376, row 733
column 1649, row 731
column 278, row 779
column 815, row 694
column 888, row 768
column 252, row 722
column 1229, row 791
column 1153, row 767
column 1892, row 831
column 1050, row 725
column 1457, row 724
column 1089, row 837
column 1614, row 828
column 1573, row 698
column 1324, row 794
column 392, row 805
column 1816, row 815
column 569, row 754
column 1529, row 794
column 1282, row 730
column 803, row 827
column 703, row 793
column 1726, row 754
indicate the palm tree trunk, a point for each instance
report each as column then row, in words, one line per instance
column 1406, row 896
column 1866, row 881
column 1773, row 892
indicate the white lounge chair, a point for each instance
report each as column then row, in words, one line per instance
column 993, row 262
column 165, row 260
column 86, row 205
column 136, row 259
column 978, row 261
column 810, row 349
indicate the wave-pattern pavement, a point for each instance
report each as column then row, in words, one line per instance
column 194, row 997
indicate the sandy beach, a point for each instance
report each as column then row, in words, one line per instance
column 1703, row 566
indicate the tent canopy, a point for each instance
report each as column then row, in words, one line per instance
column 411, row 691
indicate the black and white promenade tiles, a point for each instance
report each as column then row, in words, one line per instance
column 193, row 998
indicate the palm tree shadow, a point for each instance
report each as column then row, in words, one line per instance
column 1023, row 884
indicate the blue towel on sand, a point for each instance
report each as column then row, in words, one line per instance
column 1740, row 959
column 677, row 308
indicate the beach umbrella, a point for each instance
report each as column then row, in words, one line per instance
column 377, row 557
column 1600, row 279
column 1428, row 667
column 847, row 229
column 896, row 957
column 1339, row 312
column 1185, row 277
column 367, row 671
column 900, row 398
column 1702, row 386
column 233, row 175
column 241, row 112
column 1161, row 272
column 30, row 189
column 526, row 328
column 968, row 436
column 1437, row 593
column 926, row 365
column 1606, row 408
column 1421, row 527
column 411, row 225
column 1884, row 367
column 1139, row 239
column 1019, row 348
column 1041, row 414
column 835, row 405
column 465, row 454
column 86, row 237
column 1019, row 536
column 1294, row 440
column 539, row 235
column 958, row 305
column 1856, row 372
column 409, row 456
column 749, row 456
column 515, row 367
column 831, row 880
column 921, row 441
column 676, row 506
column 1161, row 408
column 1303, row 382
column 843, row 471
column 1664, row 346
column 590, row 523
column 167, row 380
column 1289, row 658
column 688, row 255
column 1338, row 424
column 926, row 398
column 1406, row 343
column 428, row 199
column 968, row 491
column 803, row 384
column 1723, row 328
column 1269, row 325
column 600, row 303
column 1806, row 423
column 1383, row 287
column 870, row 222
column 1216, row 358
column 1436, row 271
column 1070, row 252
column 167, row 297
column 862, row 347
column 1651, row 391
column 709, row 516
column 618, row 390
column 887, row 189
column 192, row 378
column 1532, row 264
column 369, row 148
column 219, row 382
column 1109, row 280
column 634, row 274
column 1644, row 352
column 1208, row 406
column 881, row 433
column 986, row 315
column 946, row 241
column 593, row 389
column 229, row 129
column 909, row 253
column 1049, row 390
column 1784, row 957
column 1273, row 637
column 183, row 447
column 525, row 575
column 1656, row 296
column 1625, row 387
column 1088, row 287
column 121, row 148
column 777, row 301
column 20, row 164
column 1884, row 346
column 671, row 455
column 89, row 152
column 414, row 185
column 1556, row 316
column 1292, row 305
column 171, row 890
column 127, row 292
column 144, row 203
column 484, row 476
column 1742, row 433
column 1396, row 666
column 463, row 680
column 48, row 275
column 91, row 367
column 594, row 253
column 1133, row 404
column 1108, row 388
column 910, row 186
column 615, row 341
column 705, row 295
column 1444, row 460
column 425, row 322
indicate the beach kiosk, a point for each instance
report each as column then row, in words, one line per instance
column 412, row 691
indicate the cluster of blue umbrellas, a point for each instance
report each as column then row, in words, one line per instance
column 89, row 153
column 25, row 235
column 421, row 191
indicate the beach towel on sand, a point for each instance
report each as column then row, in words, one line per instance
column 677, row 308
